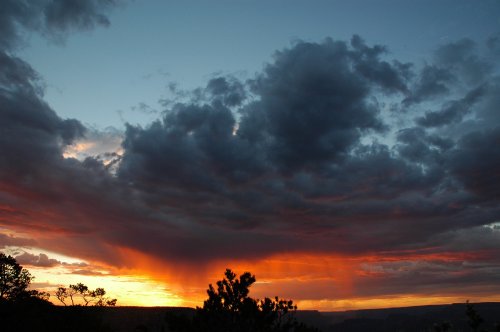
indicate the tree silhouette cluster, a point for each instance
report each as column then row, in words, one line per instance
column 87, row 296
column 229, row 308
column 23, row 309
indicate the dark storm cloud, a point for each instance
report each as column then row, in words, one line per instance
column 283, row 162
column 32, row 133
column 453, row 111
column 293, row 166
column 231, row 91
column 185, row 149
column 433, row 82
column 311, row 109
column 471, row 122
column 313, row 104
column 476, row 162
column 292, row 173
column 391, row 78
column 456, row 64
column 462, row 58
column 16, row 75
column 420, row 147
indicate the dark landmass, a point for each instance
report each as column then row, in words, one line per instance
column 152, row 319
column 408, row 319
column 141, row 319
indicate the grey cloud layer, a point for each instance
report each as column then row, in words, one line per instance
column 297, row 168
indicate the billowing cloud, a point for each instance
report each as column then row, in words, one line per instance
column 301, row 158
column 296, row 167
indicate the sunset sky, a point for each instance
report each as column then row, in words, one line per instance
column 345, row 152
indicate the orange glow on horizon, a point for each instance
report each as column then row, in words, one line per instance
column 313, row 281
column 276, row 272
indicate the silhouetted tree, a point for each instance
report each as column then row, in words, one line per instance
column 100, row 300
column 14, row 280
column 230, row 309
column 21, row 309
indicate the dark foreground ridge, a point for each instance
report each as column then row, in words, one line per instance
column 408, row 319
column 153, row 319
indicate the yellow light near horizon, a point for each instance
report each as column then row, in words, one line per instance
column 128, row 289
column 402, row 300
column 135, row 291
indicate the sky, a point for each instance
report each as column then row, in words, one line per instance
column 346, row 153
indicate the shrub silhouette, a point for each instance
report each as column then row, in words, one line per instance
column 229, row 308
